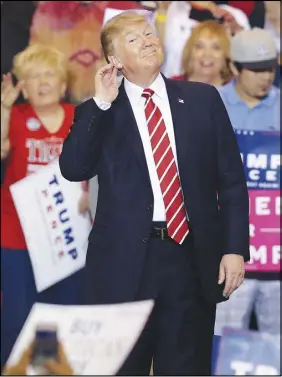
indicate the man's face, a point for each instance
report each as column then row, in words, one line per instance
column 138, row 49
column 256, row 83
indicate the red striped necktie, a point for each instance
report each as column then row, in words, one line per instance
column 177, row 224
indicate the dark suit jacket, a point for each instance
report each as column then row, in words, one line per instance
column 107, row 143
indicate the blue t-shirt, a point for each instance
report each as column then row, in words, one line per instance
column 264, row 116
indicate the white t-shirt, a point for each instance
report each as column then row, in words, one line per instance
column 274, row 33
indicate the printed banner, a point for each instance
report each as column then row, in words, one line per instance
column 96, row 339
column 55, row 233
column 260, row 152
column 249, row 353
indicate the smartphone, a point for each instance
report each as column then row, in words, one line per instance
column 45, row 344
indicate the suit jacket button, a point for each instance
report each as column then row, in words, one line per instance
column 150, row 206
column 145, row 240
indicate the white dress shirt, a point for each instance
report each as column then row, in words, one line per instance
column 137, row 102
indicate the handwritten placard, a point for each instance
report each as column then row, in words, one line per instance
column 96, row 339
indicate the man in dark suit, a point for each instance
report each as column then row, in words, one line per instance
column 171, row 220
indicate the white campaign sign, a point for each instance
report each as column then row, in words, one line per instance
column 96, row 339
column 55, row 233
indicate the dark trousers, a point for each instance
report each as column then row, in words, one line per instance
column 179, row 333
column 19, row 294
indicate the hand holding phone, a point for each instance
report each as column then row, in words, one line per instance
column 45, row 344
column 44, row 356
column 61, row 367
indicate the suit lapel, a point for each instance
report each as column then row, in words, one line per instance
column 178, row 108
column 128, row 127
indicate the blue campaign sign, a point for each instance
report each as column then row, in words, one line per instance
column 260, row 152
column 248, row 353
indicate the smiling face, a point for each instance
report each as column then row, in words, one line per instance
column 207, row 57
column 138, row 49
column 43, row 85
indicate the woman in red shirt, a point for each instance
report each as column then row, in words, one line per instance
column 32, row 136
column 206, row 55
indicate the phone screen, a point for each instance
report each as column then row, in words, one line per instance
column 45, row 345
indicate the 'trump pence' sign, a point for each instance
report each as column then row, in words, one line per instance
column 260, row 152
column 56, row 234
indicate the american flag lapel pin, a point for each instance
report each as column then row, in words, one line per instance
column 180, row 100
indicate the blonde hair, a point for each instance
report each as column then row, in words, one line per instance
column 213, row 29
column 37, row 54
column 115, row 26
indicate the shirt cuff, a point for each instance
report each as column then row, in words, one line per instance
column 103, row 105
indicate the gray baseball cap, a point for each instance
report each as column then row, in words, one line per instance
column 254, row 49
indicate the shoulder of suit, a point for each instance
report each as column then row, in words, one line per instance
column 87, row 105
column 194, row 88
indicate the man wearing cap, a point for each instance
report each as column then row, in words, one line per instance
column 253, row 104
column 166, row 158
column 251, row 99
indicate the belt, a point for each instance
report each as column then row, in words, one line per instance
column 159, row 232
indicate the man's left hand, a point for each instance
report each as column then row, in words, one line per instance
column 232, row 271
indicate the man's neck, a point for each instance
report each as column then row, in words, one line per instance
column 250, row 101
column 144, row 81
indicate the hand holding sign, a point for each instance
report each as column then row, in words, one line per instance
column 58, row 248
column 96, row 339
column 20, row 368
column 23, row 367
column 60, row 367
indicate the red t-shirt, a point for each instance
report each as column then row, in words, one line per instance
column 32, row 146
column 185, row 78
column 179, row 78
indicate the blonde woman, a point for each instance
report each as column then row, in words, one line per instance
column 206, row 55
column 32, row 135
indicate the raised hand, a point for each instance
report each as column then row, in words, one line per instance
column 163, row 5
column 106, row 83
column 9, row 91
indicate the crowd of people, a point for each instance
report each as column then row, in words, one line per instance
column 50, row 54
